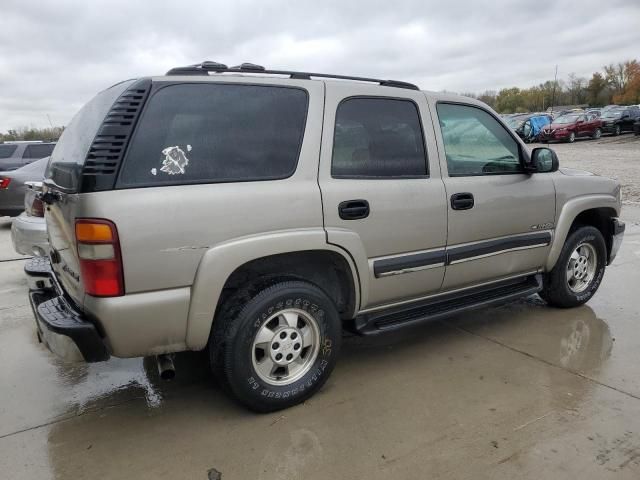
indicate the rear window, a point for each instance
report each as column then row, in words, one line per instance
column 38, row 150
column 71, row 150
column 203, row 133
column 7, row 150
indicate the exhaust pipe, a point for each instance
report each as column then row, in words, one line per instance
column 165, row 366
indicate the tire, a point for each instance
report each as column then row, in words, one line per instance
column 572, row 137
column 565, row 291
column 302, row 333
column 617, row 131
column 597, row 134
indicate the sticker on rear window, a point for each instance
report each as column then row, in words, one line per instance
column 175, row 160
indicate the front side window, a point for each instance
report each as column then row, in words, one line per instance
column 475, row 143
column 207, row 133
column 378, row 138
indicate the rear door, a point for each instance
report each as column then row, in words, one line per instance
column 382, row 195
column 500, row 219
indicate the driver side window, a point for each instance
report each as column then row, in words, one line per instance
column 475, row 143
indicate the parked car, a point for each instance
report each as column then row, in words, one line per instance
column 571, row 126
column 529, row 126
column 13, row 188
column 261, row 215
column 14, row 155
column 619, row 120
column 29, row 230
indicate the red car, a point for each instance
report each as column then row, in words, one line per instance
column 570, row 126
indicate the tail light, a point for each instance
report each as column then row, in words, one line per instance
column 4, row 182
column 36, row 209
column 100, row 260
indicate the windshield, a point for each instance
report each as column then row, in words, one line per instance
column 564, row 119
column 515, row 122
column 612, row 114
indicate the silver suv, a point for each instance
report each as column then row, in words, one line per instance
column 259, row 213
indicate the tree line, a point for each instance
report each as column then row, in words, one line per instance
column 617, row 84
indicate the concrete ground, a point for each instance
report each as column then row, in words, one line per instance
column 521, row 391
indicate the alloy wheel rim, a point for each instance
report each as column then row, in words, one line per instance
column 285, row 347
column 581, row 268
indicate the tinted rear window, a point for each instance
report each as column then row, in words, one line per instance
column 38, row 151
column 71, row 150
column 203, row 133
column 7, row 150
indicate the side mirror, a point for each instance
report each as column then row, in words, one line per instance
column 543, row 160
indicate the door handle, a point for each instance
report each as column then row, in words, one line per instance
column 353, row 209
column 462, row 201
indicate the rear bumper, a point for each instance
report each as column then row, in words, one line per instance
column 63, row 328
column 29, row 235
column 618, row 228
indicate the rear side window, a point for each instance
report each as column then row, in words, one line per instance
column 68, row 158
column 38, row 151
column 7, row 150
column 204, row 133
column 378, row 138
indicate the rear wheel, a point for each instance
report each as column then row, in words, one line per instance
column 278, row 347
column 572, row 137
column 597, row 134
column 617, row 130
column 578, row 271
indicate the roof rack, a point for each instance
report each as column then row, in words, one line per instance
column 205, row 67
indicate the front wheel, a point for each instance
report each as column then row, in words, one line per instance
column 617, row 131
column 277, row 348
column 578, row 271
column 597, row 134
column 572, row 137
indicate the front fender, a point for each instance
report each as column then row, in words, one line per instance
column 219, row 262
column 571, row 209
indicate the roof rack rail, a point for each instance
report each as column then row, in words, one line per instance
column 205, row 67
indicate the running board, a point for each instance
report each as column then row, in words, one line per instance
column 447, row 305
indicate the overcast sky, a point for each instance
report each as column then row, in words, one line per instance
column 55, row 55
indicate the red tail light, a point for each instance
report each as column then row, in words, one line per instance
column 4, row 182
column 37, row 208
column 100, row 261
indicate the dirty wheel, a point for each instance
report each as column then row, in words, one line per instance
column 278, row 348
column 578, row 271
column 597, row 134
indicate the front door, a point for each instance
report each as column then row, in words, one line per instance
column 382, row 196
column 501, row 219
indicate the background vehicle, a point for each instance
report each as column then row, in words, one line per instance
column 29, row 229
column 571, row 126
column 619, row 120
column 13, row 188
column 529, row 126
column 299, row 206
column 14, row 155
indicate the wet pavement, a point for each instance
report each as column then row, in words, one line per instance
column 520, row 391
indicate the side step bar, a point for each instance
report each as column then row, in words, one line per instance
column 447, row 305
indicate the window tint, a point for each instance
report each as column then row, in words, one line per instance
column 7, row 150
column 475, row 143
column 198, row 133
column 378, row 137
column 38, row 150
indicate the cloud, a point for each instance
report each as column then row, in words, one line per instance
column 55, row 55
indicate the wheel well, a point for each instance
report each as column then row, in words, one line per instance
column 599, row 218
column 326, row 269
